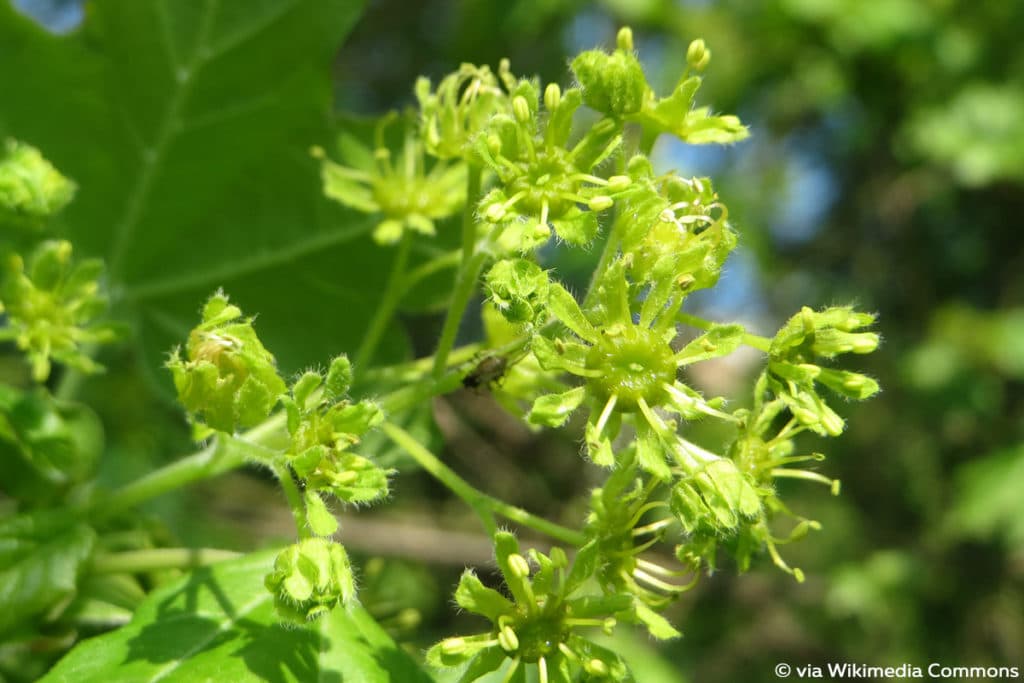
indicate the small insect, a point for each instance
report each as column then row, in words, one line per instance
column 490, row 369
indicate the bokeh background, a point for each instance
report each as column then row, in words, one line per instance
column 886, row 168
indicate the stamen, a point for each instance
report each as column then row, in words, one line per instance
column 567, row 651
column 657, row 583
column 783, row 473
column 653, row 527
column 644, row 509
column 635, row 550
column 586, row 177
column 663, row 571
column 511, row 671
column 606, row 413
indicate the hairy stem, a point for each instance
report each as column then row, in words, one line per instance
column 220, row 456
column 224, row 455
column 611, row 248
column 484, row 505
column 156, row 559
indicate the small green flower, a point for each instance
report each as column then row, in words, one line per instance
column 538, row 625
column 31, row 189
column 310, row 579
column 543, row 184
column 324, row 425
column 407, row 196
column 615, row 85
column 792, row 374
column 615, row 523
column 52, row 305
column 675, row 230
column 630, row 372
column 462, row 106
column 518, row 289
column 227, row 379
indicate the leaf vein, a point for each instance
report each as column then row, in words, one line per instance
column 234, row 269
column 153, row 157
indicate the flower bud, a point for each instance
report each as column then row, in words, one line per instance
column 339, row 378
column 612, row 84
column 521, row 109
column 600, row 203
column 624, row 39
column 494, row 213
column 697, row 55
column 552, row 97
column 518, row 288
column 31, row 189
column 519, row 566
column 227, row 378
column 309, row 579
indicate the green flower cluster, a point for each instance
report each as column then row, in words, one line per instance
column 324, row 425
column 309, row 579
column 614, row 84
column 547, row 174
column 618, row 355
column 406, row 196
column 226, row 379
column 541, row 622
column 53, row 305
column 31, row 189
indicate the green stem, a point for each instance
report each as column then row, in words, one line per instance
column 226, row 454
column 439, row 263
column 532, row 521
column 414, row 371
column 474, row 178
column 393, row 292
column 465, row 278
column 484, row 505
column 157, row 559
column 465, row 285
column 611, row 248
column 754, row 340
column 295, row 502
column 444, row 474
column 220, row 456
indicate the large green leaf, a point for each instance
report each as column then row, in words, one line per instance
column 41, row 557
column 187, row 127
column 218, row 624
